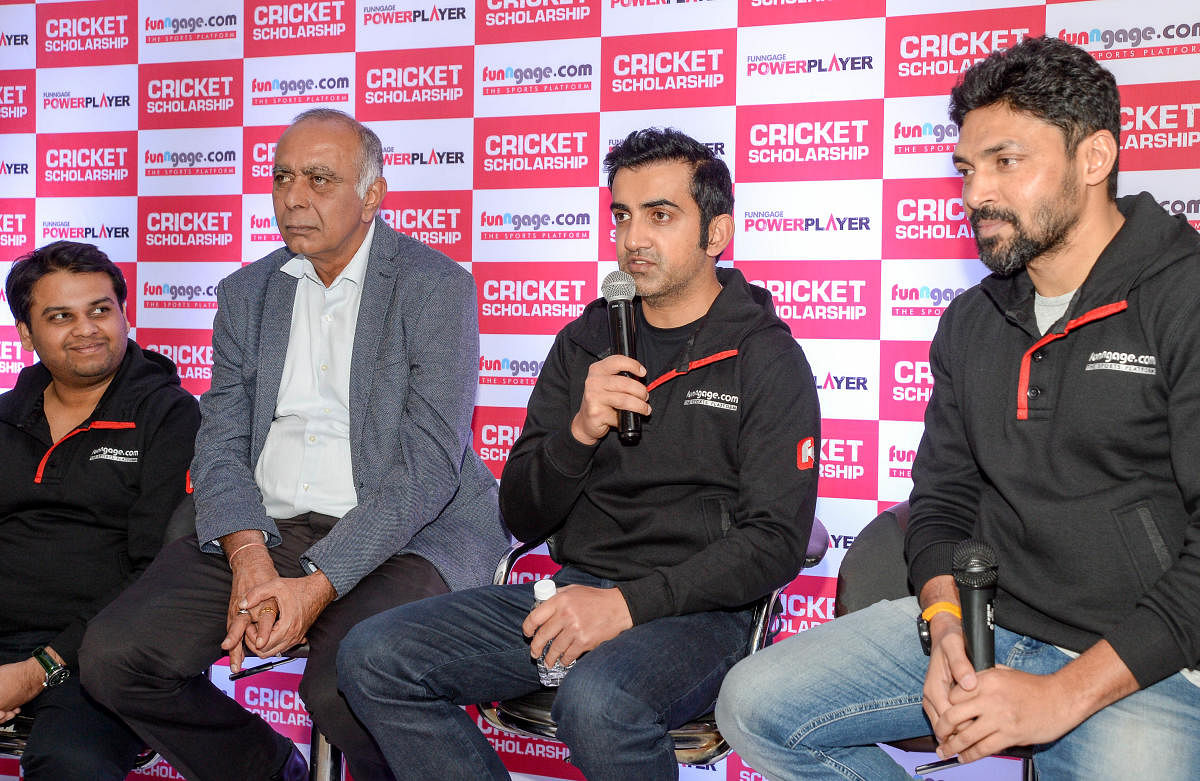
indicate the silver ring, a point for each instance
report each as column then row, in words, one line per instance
column 243, row 612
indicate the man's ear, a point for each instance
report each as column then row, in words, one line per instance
column 374, row 198
column 26, row 335
column 1099, row 153
column 720, row 233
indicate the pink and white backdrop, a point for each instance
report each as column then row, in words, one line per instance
column 148, row 128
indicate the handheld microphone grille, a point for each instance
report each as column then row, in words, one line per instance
column 618, row 286
column 975, row 564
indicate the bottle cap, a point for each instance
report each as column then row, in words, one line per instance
column 544, row 589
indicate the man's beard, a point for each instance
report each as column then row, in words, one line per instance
column 1053, row 221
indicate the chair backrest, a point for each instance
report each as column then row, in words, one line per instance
column 182, row 521
column 874, row 568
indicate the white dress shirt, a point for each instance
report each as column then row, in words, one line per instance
column 305, row 463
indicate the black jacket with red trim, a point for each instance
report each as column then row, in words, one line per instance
column 1076, row 454
column 713, row 508
column 80, row 519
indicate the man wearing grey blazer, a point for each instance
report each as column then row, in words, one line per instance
column 334, row 476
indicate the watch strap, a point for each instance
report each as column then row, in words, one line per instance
column 55, row 672
column 45, row 660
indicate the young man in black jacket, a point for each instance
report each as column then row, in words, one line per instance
column 1062, row 431
column 665, row 544
column 95, row 441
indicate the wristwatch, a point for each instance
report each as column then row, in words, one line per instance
column 928, row 613
column 55, row 672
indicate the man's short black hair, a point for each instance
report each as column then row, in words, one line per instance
column 712, row 186
column 73, row 256
column 1049, row 79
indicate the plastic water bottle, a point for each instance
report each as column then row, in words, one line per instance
column 549, row 676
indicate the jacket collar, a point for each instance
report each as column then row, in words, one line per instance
column 738, row 310
column 1147, row 242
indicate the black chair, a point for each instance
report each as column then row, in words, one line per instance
column 698, row 742
column 873, row 569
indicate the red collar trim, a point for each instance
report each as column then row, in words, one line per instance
column 1087, row 317
column 95, row 424
column 696, row 364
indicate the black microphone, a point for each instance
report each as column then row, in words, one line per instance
column 976, row 573
column 619, row 289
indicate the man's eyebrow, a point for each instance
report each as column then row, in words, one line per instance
column 321, row 170
column 645, row 204
column 1002, row 146
column 1008, row 144
column 104, row 300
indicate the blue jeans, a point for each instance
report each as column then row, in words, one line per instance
column 405, row 673
column 814, row 705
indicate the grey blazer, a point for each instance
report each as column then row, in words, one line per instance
column 413, row 373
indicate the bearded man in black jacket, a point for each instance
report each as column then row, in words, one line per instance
column 95, row 441
column 1062, row 431
column 665, row 545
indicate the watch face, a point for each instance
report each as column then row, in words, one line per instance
column 58, row 676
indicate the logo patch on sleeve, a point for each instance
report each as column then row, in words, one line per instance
column 806, row 454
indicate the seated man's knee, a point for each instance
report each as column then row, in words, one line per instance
column 355, row 653
column 743, row 692
column 591, row 701
column 383, row 652
column 103, row 666
column 112, row 662
column 358, row 655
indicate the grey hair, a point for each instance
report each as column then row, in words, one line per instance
column 370, row 149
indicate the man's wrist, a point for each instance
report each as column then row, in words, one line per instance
column 579, row 435
column 33, row 680
column 321, row 586
column 1091, row 682
column 46, row 669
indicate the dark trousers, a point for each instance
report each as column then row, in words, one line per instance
column 73, row 738
column 144, row 656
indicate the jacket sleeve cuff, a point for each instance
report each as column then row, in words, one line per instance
column 67, row 644
column 932, row 561
column 341, row 580
column 648, row 598
column 271, row 538
column 568, row 455
column 1143, row 641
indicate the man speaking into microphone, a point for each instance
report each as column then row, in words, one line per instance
column 665, row 539
column 1064, row 432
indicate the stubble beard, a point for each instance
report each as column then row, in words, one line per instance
column 1053, row 221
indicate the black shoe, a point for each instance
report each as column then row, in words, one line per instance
column 294, row 769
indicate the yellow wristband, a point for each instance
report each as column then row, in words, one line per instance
column 942, row 607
